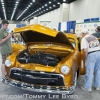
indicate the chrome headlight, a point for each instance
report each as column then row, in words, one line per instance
column 65, row 69
column 8, row 63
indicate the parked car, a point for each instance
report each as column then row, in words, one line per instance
column 50, row 62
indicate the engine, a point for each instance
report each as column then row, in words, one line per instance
column 47, row 59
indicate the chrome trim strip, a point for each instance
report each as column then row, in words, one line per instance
column 17, row 73
column 30, row 76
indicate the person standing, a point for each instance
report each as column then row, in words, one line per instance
column 91, row 49
column 72, row 31
column 5, row 46
column 97, row 32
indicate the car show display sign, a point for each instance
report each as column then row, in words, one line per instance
column 63, row 26
column 91, row 26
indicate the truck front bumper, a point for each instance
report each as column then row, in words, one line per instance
column 40, row 88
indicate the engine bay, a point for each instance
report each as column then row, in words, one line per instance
column 47, row 59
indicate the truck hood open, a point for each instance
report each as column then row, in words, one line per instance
column 38, row 33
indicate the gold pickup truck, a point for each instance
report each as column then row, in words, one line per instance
column 50, row 62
